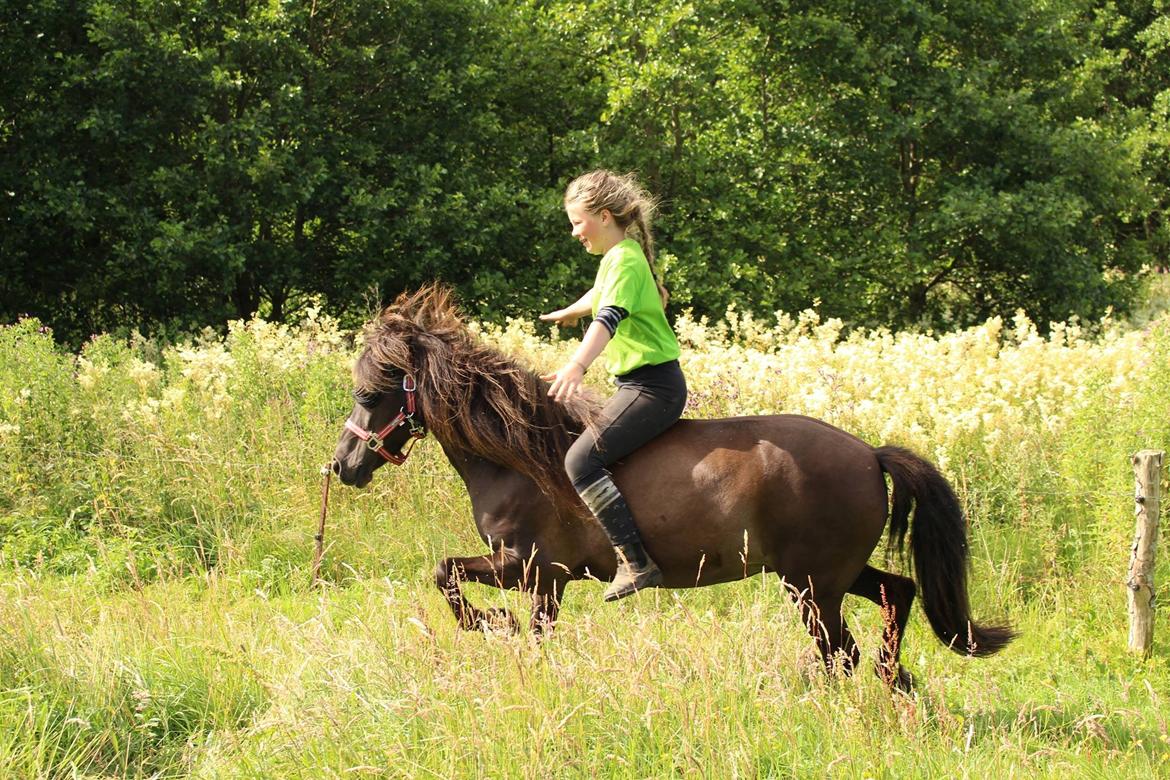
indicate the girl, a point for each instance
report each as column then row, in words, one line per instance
column 629, row 326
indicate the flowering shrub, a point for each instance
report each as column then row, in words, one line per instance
column 180, row 448
column 929, row 392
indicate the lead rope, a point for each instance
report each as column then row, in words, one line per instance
column 320, row 537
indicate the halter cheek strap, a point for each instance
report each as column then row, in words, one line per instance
column 376, row 440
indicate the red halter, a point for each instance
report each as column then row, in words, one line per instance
column 377, row 441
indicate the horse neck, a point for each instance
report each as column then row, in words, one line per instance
column 516, row 518
column 541, row 416
column 475, row 470
column 494, row 489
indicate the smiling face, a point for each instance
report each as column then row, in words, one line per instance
column 597, row 232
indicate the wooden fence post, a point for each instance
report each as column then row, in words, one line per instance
column 1147, row 469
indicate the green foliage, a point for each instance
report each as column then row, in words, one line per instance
column 128, row 469
column 170, row 165
column 176, row 164
column 900, row 162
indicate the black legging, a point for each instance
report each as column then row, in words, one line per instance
column 648, row 401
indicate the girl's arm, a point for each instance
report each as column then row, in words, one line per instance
column 569, row 315
column 567, row 381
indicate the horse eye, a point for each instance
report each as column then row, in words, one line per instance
column 367, row 399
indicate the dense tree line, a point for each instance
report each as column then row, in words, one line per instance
column 173, row 163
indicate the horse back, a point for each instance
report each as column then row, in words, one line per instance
column 742, row 493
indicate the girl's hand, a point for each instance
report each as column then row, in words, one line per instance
column 563, row 317
column 566, row 382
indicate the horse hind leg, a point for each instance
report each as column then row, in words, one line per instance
column 894, row 595
column 825, row 623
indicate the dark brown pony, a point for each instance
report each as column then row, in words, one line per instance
column 715, row 500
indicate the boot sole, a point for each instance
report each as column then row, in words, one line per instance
column 651, row 582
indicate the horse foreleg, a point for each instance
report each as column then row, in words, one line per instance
column 507, row 571
column 894, row 594
column 546, row 604
column 497, row 570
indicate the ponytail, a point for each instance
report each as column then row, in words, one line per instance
column 642, row 224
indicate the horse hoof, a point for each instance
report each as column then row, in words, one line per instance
column 542, row 629
column 499, row 621
column 809, row 665
column 902, row 681
column 905, row 680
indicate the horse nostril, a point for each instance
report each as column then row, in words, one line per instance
column 335, row 467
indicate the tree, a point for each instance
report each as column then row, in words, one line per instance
column 179, row 163
column 901, row 162
column 172, row 164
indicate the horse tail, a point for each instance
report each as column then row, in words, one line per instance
column 938, row 546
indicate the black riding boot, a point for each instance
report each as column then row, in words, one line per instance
column 636, row 570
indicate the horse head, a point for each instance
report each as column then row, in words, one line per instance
column 410, row 338
column 473, row 398
column 375, row 434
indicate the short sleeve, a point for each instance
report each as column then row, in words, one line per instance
column 622, row 286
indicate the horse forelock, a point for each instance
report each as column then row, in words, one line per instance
column 471, row 395
column 392, row 336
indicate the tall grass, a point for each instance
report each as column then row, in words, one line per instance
column 156, row 522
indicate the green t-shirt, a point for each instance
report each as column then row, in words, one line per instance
column 644, row 338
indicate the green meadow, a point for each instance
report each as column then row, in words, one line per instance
column 157, row 513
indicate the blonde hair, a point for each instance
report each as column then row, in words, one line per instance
column 630, row 204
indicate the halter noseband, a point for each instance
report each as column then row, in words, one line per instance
column 376, row 441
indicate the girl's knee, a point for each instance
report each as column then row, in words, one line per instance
column 580, row 459
column 577, row 466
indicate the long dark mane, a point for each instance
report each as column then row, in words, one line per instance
column 471, row 396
